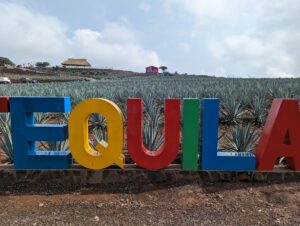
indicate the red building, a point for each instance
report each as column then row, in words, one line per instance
column 151, row 70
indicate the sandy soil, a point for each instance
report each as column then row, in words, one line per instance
column 193, row 204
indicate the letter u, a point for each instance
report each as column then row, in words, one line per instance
column 167, row 153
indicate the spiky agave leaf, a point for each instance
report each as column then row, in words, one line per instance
column 98, row 135
column 6, row 141
column 97, row 121
column 153, row 137
column 64, row 118
column 4, row 118
column 232, row 111
column 152, row 107
column 41, row 118
column 241, row 138
column 259, row 109
column 280, row 92
column 57, row 145
column 120, row 99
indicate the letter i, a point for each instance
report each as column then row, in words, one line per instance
column 191, row 115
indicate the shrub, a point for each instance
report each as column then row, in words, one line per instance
column 4, row 60
column 42, row 64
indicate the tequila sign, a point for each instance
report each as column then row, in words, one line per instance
column 280, row 136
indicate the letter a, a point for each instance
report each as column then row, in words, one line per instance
column 281, row 136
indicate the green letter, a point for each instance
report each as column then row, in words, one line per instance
column 191, row 114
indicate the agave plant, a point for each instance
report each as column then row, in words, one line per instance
column 259, row 109
column 99, row 136
column 97, row 122
column 153, row 109
column 4, row 118
column 241, row 138
column 5, row 139
column 97, row 129
column 153, row 137
column 41, row 118
column 280, row 92
column 57, row 145
column 64, row 118
column 120, row 99
column 232, row 111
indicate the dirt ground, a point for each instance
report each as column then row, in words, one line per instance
column 191, row 204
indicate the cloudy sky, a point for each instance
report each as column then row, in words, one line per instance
column 246, row 38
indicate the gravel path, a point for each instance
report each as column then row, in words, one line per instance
column 214, row 204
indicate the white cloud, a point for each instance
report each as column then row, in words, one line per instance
column 230, row 37
column 205, row 10
column 26, row 36
column 252, row 55
column 259, row 38
column 145, row 7
column 105, row 51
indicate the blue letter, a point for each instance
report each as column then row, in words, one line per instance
column 25, row 133
column 212, row 159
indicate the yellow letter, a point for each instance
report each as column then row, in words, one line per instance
column 105, row 154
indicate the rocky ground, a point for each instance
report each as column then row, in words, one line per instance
column 189, row 204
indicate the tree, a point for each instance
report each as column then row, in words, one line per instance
column 163, row 68
column 4, row 61
column 42, row 64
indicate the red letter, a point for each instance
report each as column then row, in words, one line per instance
column 4, row 107
column 4, row 104
column 281, row 136
column 162, row 157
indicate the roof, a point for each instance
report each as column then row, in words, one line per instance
column 152, row 67
column 76, row 62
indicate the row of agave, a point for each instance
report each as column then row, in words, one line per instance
column 244, row 105
column 242, row 99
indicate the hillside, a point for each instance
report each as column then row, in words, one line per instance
column 58, row 74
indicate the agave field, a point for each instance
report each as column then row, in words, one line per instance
column 244, row 105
